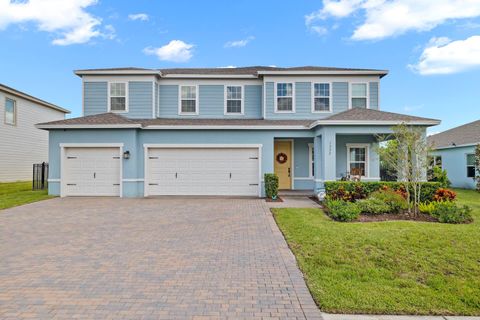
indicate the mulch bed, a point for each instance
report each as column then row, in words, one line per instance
column 276, row 200
column 395, row 217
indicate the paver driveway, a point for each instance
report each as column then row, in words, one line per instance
column 148, row 258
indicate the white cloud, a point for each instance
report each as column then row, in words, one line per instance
column 175, row 51
column 387, row 18
column 443, row 56
column 68, row 20
column 138, row 16
column 239, row 43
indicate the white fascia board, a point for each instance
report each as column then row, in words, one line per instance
column 457, row 146
column 229, row 127
column 211, row 76
column 339, row 72
column 86, row 126
column 373, row 123
column 117, row 72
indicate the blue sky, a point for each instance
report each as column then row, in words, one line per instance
column 431, row 47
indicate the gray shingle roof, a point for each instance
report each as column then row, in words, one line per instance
column 375, row 115
column 97, row 119
column 32, row 98
column 466, row 134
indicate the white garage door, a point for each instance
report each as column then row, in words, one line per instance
column 91, row 172
column 203, row 171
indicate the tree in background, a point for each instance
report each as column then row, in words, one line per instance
column 387, row 171
column 409, row 160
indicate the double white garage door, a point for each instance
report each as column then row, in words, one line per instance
column 168, row 171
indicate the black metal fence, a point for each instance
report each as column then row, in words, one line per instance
column 40, row 176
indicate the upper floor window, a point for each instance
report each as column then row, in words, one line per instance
column 321, row 97
column 359, row 95
column 118, row 97
column 284, row 101
column 10, row 111
column 470, row 165
column 188, row 100
column 234, row 97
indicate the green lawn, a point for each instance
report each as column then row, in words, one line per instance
column 14, row 194
column 395, row 267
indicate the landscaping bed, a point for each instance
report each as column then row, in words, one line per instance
column 394, row 267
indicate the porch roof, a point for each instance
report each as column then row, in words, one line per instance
column 349, row 117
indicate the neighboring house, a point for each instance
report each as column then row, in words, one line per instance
column 217, row 131
column 454, row 151
column 22, row 144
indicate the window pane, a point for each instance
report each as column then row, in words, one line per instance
column 189, row 92
column 470, row 160
column 322, row 89
column 322, row 104
column 471, row 172
column 188, row 106
column 117, row 89
column 355, row 165
column 284, row 89
column 357, row 154
column 359, row 90
column 284, row 104
column 359, row 103
column 234, row 106
column 9, row 111
column 234, row 92
column 117, row 103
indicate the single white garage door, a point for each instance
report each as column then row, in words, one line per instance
column 203, row 171
column 91, row 172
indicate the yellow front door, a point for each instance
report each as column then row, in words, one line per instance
column 283, row 163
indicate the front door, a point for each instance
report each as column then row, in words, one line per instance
column 283, row 163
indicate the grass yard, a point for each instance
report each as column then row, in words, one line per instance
column 14, row 194
column 394, row 267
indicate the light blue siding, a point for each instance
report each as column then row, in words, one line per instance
column 301, row 158
column 454, row 160
column 140, row 99
column 372, row 157
column 374, row 95
column 339, row 96
column 211, row 102
column 157, row 100
column 95, row 95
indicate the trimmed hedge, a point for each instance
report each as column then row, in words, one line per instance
column 362, row 189
column 271, row 185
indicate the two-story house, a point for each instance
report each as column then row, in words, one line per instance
column 216, row 131
column 22, row 144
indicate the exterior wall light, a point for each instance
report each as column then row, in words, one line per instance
column 126, row 155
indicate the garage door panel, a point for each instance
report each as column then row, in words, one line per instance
column 206, row 171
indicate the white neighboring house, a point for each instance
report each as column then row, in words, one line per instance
column 21, row 143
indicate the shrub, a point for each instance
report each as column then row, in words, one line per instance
column 443, row 194
column 439, row 175
column 373, row 206
column 449, row 212
column 426, row 207
column 365, row 188
column 271, row 185
column 342, row 210
column 394, row 200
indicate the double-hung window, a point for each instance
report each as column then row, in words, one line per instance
column 188, row 100
column 470, row 165
column 357, row 159
column 234, row 97
column 284, row 101
column 359, row 95
column 321, row 97
column 118, row 97
column 10, row 111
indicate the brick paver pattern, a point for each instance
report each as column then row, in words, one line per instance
column 163, row 258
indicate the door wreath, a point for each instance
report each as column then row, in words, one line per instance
column 282, row 158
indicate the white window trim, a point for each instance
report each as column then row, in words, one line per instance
column 329, row 97
column 467, row 165
column 14, row 112
column 350, row 95
column 197, row 105
column 310, row 160
column 242, row 101
column 367, row 156
column 276, row 100
column 126, row 97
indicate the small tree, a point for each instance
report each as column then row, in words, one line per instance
column 477, row 166
column 387, row 171
column 408, row 160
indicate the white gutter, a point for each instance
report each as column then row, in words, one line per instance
column 373, row 123
column 217, row 127
column 457, row 146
